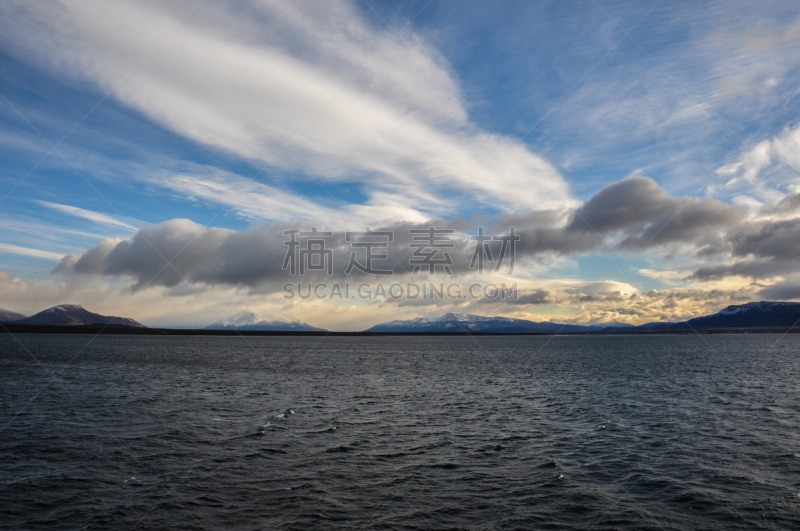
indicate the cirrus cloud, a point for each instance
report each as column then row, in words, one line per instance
column 295, row 86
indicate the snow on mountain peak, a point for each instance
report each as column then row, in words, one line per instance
column 252, row 318
column 761, row 305
column 65, row 308
column 252, row 321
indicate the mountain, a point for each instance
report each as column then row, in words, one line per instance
column 457, row 322
column 251, row 321
column 75, row 315
column 7, row 316
column 750, row 315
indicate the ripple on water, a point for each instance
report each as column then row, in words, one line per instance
column 618, row 432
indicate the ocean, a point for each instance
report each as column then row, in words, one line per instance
column 487, row 432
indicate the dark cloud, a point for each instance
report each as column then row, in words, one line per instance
column 534, row 297
column 760, row 250
column 788, row 290
column 775, row 240
column 745, row 268
column 645, row 215
column 634, row 213
column 538, row 296
column 180, row 250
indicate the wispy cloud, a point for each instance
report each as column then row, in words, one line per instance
column 782, row 149
column 27, row 251
column 261, row 203
column 96, row 217
column 707, row 83
column 283, row 83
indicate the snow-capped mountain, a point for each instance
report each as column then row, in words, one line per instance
column 752, row 314
column 251, row 321
column 7, row 316
column 457, row 322
column 75, row 315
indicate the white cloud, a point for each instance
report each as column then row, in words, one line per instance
column 27, row 251
column 249, row 198
column 783, row 149
column 351, row 101
column 665, row 275
column 96, row 217
column 260, row 202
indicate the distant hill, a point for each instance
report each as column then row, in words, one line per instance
column 750, row 315
column 458, row 322
column 75, row 315
column 7, row 316
column 251, row 321
column 616, row 324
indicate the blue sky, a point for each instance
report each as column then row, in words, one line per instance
column 256, row 116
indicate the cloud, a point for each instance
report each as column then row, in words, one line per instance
column 96, row 217
column 664, row 275
column 649, row 216
column 535, row 297
column 785, row 290
column 181, row 251
column 682, row 106
column 632, row 214
column 789, row 204
column 758, row 249
column 577, row 306
column 755, row 59
column 27, row 251
column 783, row 149
column 249, row 198
column 281, row 83
column 259, row 202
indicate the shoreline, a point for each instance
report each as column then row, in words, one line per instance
column 123, row 330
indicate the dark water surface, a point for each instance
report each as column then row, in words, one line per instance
column 619, row 432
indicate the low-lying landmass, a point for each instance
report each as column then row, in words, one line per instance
column 761, row 316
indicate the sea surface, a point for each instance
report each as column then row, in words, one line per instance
column 598, row 432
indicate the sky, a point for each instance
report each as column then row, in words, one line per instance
column 155, row 157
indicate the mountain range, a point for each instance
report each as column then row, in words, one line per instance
column 251, row 321
column 750, row 315
column 459, row 322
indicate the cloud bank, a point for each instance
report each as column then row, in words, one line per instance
column 631, row 215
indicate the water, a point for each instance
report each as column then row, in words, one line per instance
column 658, row 432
